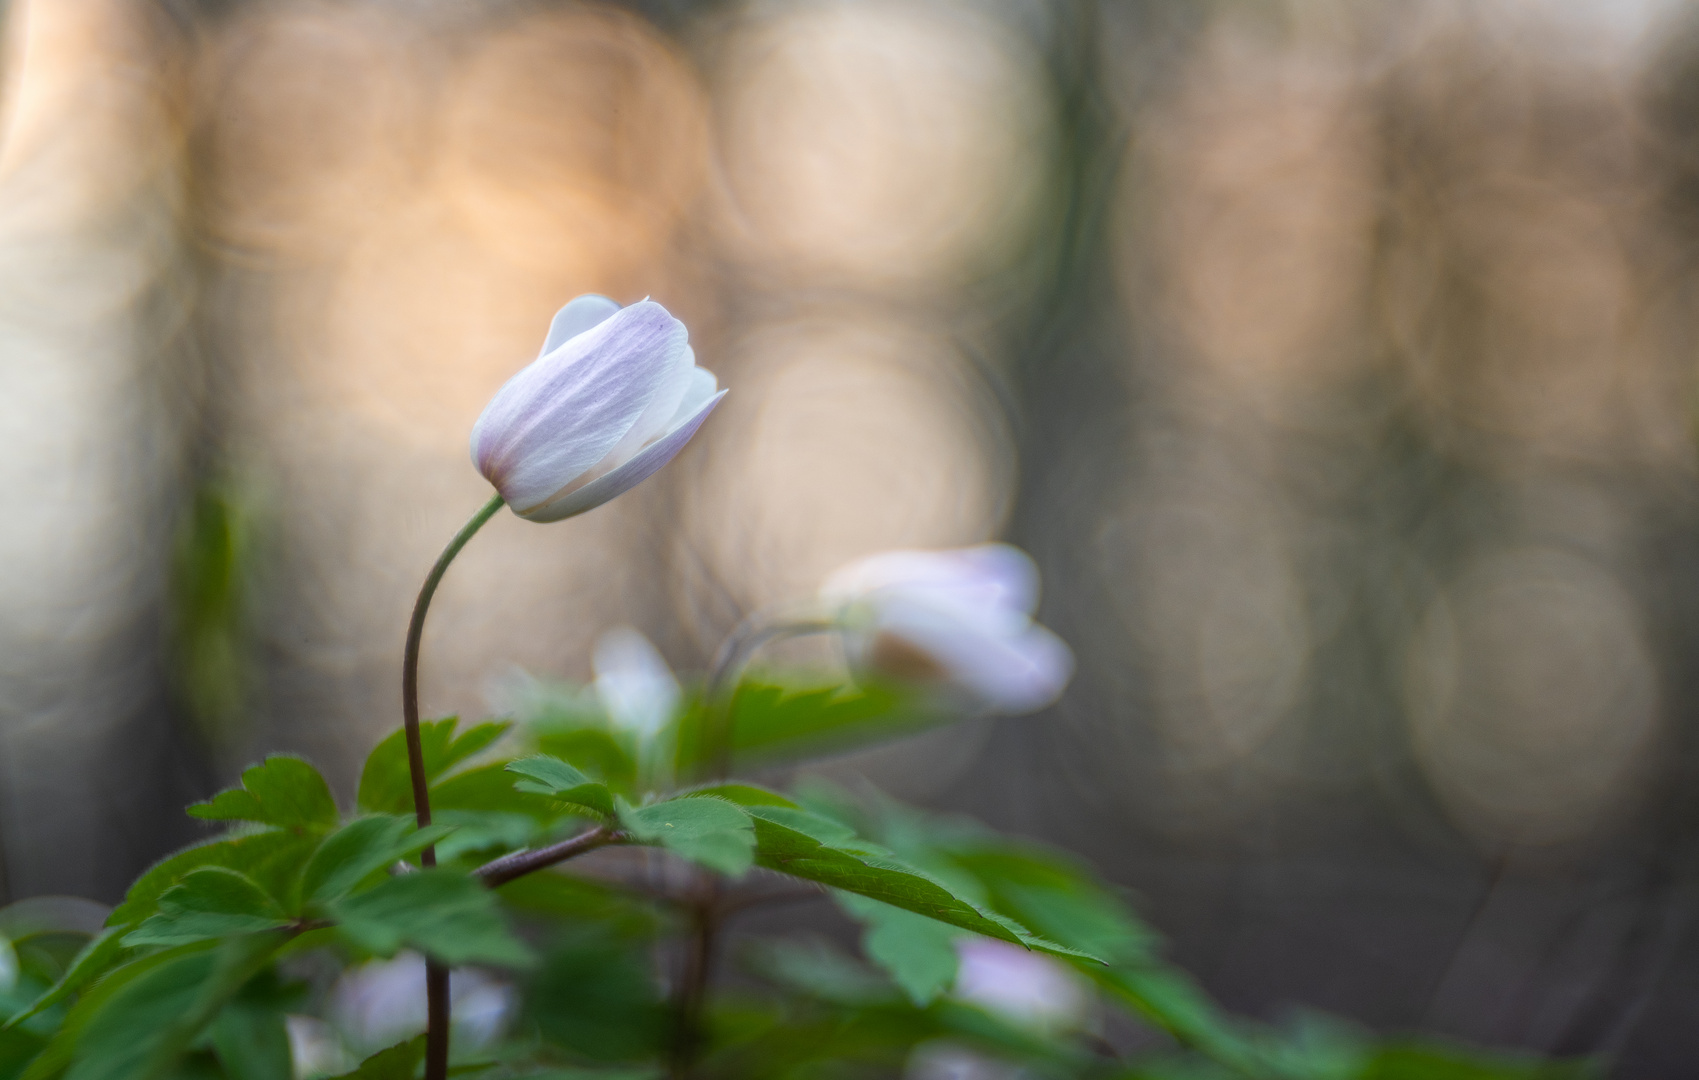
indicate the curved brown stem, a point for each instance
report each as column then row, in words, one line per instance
column 436, row 975
column 498, row 872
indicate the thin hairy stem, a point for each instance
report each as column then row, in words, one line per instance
column 436, row 974
column 500, row 871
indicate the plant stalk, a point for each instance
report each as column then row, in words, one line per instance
column 436, row 974
column 734, row 655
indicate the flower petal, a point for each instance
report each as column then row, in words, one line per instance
column 579, row 315
column 563, row 413
column 627, row 476
column 633, row 681
column 657, row 417
column 1008, row 672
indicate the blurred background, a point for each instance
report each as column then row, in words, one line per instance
column 1335, row 360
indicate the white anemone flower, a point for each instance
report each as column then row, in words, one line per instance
column 960, row 618
column 614, row 396
column 634, row 683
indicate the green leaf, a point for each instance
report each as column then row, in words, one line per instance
column 272, row 858
column 447, row 914
column 1059, row 898
column 1406, row 1060
column 554, row 777
column 594, row 994
column 398, row 1062
column 601, row 755
column 771, row 722
column 709, row 831
column 488, row 789
column 139, row 1029
column 1170, row 999
column 361, row 849
column 386, row 784
column 784, row 844
column 213, row 901
column 917, row 952
column 283, row 790
column 252, row 1042
column 741, row 794
column 93, row 961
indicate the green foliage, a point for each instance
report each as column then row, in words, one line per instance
column 554, row 777
column 359, row 851
column 594, row 999
column 709, row 831
column 184, row 980
column 439, row 912
column 398, row 1062
column 918, row 953
column 386, row 787
column 283, row 790
column 210, row 902
column 778, row 721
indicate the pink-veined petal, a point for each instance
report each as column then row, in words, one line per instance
column 561, row 415
column 627, row 476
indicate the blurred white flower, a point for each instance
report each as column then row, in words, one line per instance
column 381, row 1003
column 315, row 1048
column 1026, row 987
column 634, row 683
column 961, row 617
column 614, row 396
column 940, row 1059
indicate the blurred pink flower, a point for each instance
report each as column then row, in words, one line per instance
column 961, row 617
column 1026, row 987
column 614, row 396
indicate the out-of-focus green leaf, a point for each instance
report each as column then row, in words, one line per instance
column 1056, row 897
column 602, row 756
column 819, row 970
column 213, row 901
column 742, row 795
column 283, row 790
column 17, row 1047
column 594, row 995
column 398, row 1062
column 1412, row 1060
column 488, row 789
column 1171, row 1000
column 252, row 1042
column 551, row 776
column 386, row 785
column 577, row 900
column 919, row 953
column 272, row 858
column 138, row 1028
column 867, row 870
column 709, row 831
column 441, row 912
column 771, row 721
column 483, row 834
column 361, row 849
column 101, row 952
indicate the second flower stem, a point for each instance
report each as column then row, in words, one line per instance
column 436, row 974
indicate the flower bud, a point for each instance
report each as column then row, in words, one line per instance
column 961, row 619
column 614, row 396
